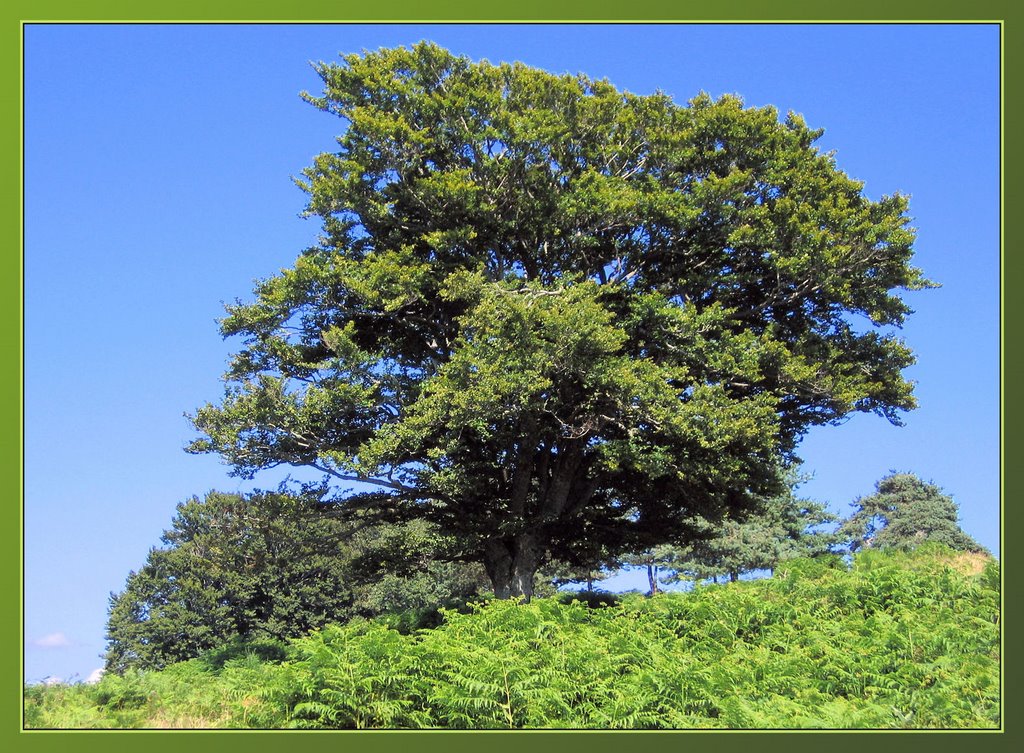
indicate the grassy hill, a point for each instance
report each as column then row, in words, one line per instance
column 897, row 640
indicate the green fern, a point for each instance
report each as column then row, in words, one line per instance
column 899, row 640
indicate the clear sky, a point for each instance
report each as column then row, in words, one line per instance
column 157, row 185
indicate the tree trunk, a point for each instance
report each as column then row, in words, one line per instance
column 652, row 578
column 734, row 576
column 511, row 564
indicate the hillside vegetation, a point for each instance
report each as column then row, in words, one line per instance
column 897, row 639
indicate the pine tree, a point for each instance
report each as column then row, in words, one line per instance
column 903, row 513
column 785, row 526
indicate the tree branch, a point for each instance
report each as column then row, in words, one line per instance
column 366, row 480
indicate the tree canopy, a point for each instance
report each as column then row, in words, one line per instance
column 556, row 318
column 269, row 566
column 905, row 512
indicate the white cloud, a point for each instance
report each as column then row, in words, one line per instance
column 94, row 676
column 53, row 640
column 51, row 680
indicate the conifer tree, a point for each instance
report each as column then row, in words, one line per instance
column 784, row 526
column 904, row 512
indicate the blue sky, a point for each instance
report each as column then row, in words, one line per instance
column 157, row 185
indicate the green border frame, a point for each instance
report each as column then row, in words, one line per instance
column 15, row 14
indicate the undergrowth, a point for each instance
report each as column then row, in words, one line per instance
column 898, row 640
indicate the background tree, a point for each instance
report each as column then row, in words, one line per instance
column 904, row 512
column 784, row 526
column 398, row 567
column 587, row 572
column 270, row 566
column 544, row 312
column 653, row 560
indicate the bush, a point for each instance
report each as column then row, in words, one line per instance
column 593, row 599
column 265, row 650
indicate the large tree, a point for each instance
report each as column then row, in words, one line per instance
column 549, row 315
column 903, row 513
